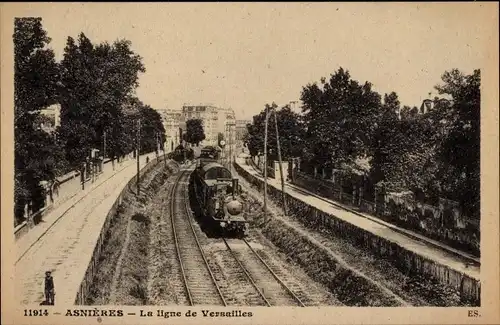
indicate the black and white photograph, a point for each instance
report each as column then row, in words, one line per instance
column 215, row 162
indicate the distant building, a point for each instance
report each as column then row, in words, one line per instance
column 172, row 120
column 241, row 129
column 294, row 105
column 227, row 124
column 429, row 104
column 215, row 120
column 208, row 113
column 50, row 118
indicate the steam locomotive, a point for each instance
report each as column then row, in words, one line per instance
column 219, row 196
column 181, row 154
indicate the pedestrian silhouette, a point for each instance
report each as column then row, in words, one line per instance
column 49, row 288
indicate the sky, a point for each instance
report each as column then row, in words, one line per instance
column 244, row 55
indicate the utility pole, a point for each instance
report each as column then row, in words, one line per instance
column 279, row 159
column 104, row 146
column 265, row 165
column 230, row 146
column 138, row 146
column 165, row 153
column 157, row 151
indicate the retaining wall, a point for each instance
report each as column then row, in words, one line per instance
column 91, row 269
column 407, row 261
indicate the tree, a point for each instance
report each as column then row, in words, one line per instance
column 408, row 113
column 97, row 83
column 152, row 130
column 341, row 119
column 194, row 131
column 35, row 86
column 391, row 106
column 290, row 128
column 461, row 147
column 404, row 155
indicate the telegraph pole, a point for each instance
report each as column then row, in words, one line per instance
column 156, row 142
column 104, row 146
column 164, row 152
column 138, row 146
column 265, row 165
column 230, row 146
column 279, row 159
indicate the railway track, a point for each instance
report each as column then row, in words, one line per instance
column 199, row 281
column 270, row 286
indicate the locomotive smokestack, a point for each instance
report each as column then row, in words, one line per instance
column 235, row 186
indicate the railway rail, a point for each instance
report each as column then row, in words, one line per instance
column 190, row 254
column 267, row 283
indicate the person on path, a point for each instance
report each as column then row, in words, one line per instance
column 49, row 288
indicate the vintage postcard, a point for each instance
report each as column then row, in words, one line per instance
column 250, row 163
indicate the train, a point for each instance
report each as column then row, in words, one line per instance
column 218, row 195
column 181, row 154
column 210, row 154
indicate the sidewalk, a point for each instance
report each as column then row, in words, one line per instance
column 433, row 251
column 65, row 240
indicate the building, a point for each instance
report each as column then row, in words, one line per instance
column 209, row 114
column 172, row 120
column 241, row 129
column 215, row 120
column 50, row 118
column 227, row 124
column 429, row 104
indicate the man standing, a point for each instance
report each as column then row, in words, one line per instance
column 49, row 288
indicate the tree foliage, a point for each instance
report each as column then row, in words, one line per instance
column 460, row 149
column 97, row 81
column 290, row 130
column 341, row 118
column 194, row 131
column 433, row 153
column 152, row 130
column 37, row 154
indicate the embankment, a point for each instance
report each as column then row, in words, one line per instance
column 117, row 235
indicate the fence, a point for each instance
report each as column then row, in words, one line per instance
column 442, row 223
column 67, row 186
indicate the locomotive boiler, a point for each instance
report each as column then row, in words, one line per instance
column 218, row 196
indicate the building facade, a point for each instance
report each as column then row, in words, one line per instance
column 215, row 120
column 208, row 113
column 429, row 104
column 241, row 129
column 227, row 124
column 172, row 120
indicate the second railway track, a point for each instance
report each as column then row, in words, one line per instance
column 270, row 286
column 199, row 282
